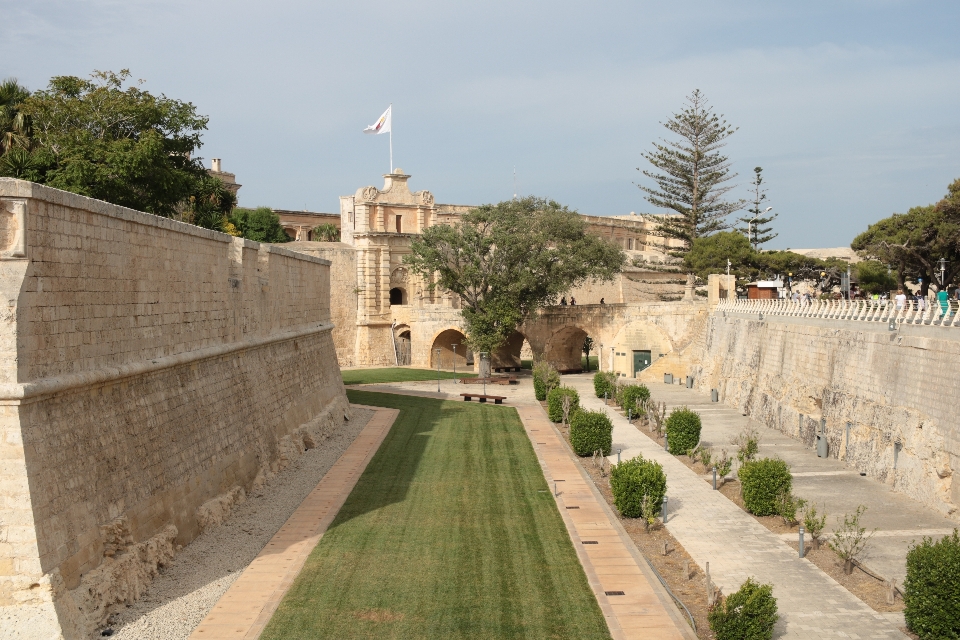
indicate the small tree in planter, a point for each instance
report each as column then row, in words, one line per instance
column 591, row 431
column 748, row 614
column 683, row 430
column 762, row 482
column 638, row 487
column 724, row 464
column 814, row 523
column 555, row 403
column 657, row 412
column 632, row 396
column 850, row 538
column 747, row 443
column 603, row 382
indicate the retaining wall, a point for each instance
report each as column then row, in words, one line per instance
column 898, row 391
column 151, row 373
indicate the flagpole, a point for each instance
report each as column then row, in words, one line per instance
column 391, row 137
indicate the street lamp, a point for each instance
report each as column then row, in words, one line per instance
column 943, row 273
column 484, row 356
column 750, row 227
column 438, row 370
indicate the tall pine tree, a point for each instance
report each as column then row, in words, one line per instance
column 692, row 175
column 753, row 224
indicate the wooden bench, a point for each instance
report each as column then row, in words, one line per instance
column 483, row 398
column 496, row 380
column 507, row 369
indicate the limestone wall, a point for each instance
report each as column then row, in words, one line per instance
column 897, row 389
column 343, row 293
column 149, row 370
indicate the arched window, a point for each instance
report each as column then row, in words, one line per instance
column 397, row 296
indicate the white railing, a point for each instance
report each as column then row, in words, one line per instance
column 935, row 313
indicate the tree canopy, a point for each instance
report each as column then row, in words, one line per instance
column 260, row 225
column 753, row 224
column 691, row 174
column 506, row 260
column 913, row 243
column 104, row 139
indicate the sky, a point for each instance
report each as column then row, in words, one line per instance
column 850, row 106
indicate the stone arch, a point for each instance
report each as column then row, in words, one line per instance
column 564, row 349
column 402, row 338
column 398, row 296
column 507, row 355
column 444, row 341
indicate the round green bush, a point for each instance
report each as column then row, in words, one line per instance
column 932, row 596
column 631, row 480
column 591, row 431
column 603, row 383
column 555, row 402
column 748, row 614
column 539, row 388
column 762, row 482
column 683, row 430
column 630, row 394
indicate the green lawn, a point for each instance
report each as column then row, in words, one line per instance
column 451, row 532
column 397, row 374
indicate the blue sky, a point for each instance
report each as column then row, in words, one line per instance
column 850, row 106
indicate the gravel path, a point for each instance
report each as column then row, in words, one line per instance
column 182, row 596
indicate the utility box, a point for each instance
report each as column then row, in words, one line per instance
column 822, row 446
column 714, row 395
column 668, row 378
column 689, row 382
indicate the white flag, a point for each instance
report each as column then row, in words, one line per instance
column 382, row 125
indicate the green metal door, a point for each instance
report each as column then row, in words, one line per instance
column 641, row 360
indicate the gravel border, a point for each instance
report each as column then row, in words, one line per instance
column 187, row 589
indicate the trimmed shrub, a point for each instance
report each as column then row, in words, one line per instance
column 603, row 382
column 545, row 378
column 748, row 614
column 631, row 480
column 762, row 482
column 590, row 431
column 630, row 394
column 932, row 592
column 683, row 430
column 555, row 403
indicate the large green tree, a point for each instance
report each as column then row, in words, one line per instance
column 691, row 174
column 506, row 260
column 754, row 224
column 103, row 138
column 14, row 124
column 260, row 225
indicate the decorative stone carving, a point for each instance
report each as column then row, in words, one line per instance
column 399, row 276
column 12, row 229
column 369, row 194
column 426, row 198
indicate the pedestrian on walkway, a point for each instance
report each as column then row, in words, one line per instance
column 601, row 300
column 563, row 301
column 944, row 299
column 573, row 301
column 901, row 299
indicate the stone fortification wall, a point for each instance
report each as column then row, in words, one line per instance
column 897, row 389
column 152, row 373
column 343, row 293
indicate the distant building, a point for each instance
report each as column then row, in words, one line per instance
column 229, row 179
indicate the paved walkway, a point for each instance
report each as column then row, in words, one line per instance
column 609, row 558
column 713, row 529
column 247, row 606
column 828, row 482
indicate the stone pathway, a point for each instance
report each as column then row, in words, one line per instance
column 609, row 558
column 247, row 606
column 713, row 529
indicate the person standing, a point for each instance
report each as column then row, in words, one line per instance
column 573, row 301
column 901, row 299
column 563, row 301
column 944, row 299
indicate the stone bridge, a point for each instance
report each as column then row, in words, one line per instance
column 624, row 333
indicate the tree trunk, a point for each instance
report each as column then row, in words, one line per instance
column 848, row 567
column 483, row 365
column 815, row 543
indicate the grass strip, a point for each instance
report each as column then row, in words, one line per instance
column 397, row 374
column 451, row 532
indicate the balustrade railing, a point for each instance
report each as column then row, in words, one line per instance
column 934, row 313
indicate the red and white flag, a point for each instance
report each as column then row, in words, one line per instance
column 382, row 125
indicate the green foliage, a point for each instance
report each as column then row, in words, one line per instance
column 748, row 614
column 814, row 522
column 788, row 505
column 587, row 348
column 114, row 143
column 932, row 595
column 762, row 482
column 724, row 464
column 326, row 233
column 691, row 174
column 751, row 224
column 209, row 205
column 683, row 430
column 603, row 383
column 874, row 278
column 545, row 378
column 629, row 397
column 912, row 243
column 747, row 443
column 260, row 225
column 555, row 402
column 590, row 431
column 14, row 124
column 505, row 261
column 633, row 480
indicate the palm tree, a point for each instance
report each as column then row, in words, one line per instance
column 14, row 125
